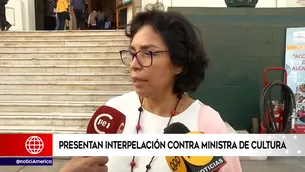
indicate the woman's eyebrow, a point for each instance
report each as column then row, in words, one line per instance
column 147, row 46
column 131, row 48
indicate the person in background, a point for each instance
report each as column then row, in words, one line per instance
column 4, row 24
column 166, row 60
column 86, row 12
column 92, row 19
column 56, row 17
column 49, row 14
column 108, row 23
column 78, row 6
column 57, row 22
column 61, row 11
column 101, row 19
column 68, row 17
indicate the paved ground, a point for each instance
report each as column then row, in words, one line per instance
column 283, row 164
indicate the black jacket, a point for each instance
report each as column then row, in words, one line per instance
column 3, row 2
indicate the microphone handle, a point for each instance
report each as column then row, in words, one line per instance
column 203, row 163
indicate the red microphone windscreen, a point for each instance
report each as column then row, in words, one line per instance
column 106, row 120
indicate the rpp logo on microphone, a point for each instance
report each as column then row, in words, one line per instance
column 106, row 120
column 105, row 123
column 102, row 121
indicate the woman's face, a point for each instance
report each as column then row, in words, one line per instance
column 158, row 78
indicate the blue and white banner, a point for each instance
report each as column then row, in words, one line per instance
column 295, row 66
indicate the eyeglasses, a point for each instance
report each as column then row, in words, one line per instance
column 144, row 57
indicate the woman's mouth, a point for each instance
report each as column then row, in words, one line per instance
column 138, row 81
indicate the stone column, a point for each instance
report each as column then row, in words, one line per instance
column 21, row 15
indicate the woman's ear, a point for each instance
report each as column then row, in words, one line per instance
column 178, row 70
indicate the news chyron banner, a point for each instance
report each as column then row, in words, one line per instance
column 26, row 150
column 38, row 149
column 178, row 145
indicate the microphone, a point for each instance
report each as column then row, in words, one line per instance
column 191, row 163
column 106, row 120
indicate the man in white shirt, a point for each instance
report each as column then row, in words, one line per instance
column 92, row 20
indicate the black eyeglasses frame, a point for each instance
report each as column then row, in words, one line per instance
column 134, row 55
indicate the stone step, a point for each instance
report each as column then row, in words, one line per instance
column 52, row 95
column 10, row 43
column 64, row 77
column 37, row 122
column 93, row 38
column 56, row 48
column 64, row 69
column 50, row 106
column 64, row 55
column 66, row 85
column 66, row 33
column 43, row 129
column 60, row 61
column 44, row 119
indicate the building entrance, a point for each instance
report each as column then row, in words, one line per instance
column 106, row 6
column 44, row 14
column 118, row 12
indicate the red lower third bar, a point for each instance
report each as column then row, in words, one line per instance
column 26, row 145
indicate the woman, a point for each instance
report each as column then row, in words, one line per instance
column 166, row 61
column 62, row 12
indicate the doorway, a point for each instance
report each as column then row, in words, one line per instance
column 107, row 6
column 44, row 14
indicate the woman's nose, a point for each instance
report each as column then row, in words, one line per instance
column 135, row 64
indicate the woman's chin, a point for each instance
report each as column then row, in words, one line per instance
column 140, row 91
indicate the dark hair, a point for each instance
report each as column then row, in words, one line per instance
column 184, row 45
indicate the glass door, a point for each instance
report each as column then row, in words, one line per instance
column 122, row 11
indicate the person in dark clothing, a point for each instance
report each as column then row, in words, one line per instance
column 4, row 25
column 78, row 7
column 101, row 19
column 49, row 14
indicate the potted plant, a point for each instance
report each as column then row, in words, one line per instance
column 241, row 3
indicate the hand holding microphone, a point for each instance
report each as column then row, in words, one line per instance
column 106, row 120
column 191, row 163
column 88, row 164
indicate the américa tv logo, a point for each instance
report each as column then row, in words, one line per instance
column 34, row 145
